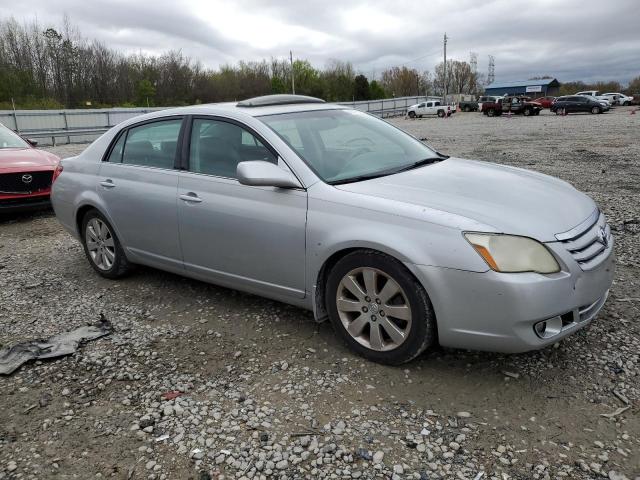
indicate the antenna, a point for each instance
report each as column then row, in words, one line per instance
column 491, row 76
column 473, row 62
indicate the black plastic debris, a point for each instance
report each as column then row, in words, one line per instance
column 11, row 358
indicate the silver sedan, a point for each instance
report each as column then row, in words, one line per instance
column 339, row 212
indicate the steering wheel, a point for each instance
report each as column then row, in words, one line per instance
column 361, row 150
column 359, row 139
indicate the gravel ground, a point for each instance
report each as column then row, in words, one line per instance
column 199, row 382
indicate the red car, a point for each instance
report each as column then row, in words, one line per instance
column 26, row 173
column 546, row 102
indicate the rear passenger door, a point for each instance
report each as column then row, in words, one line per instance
column 138, row 184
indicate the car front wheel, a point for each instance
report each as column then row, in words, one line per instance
column 595, row 110
column 102, row 247
column 379, row 309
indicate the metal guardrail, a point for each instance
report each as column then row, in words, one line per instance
column 53, row 134
column 85, row 125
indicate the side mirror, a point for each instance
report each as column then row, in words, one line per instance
column 259, row 173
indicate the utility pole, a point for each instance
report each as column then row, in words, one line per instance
column 293, row 80
column 444, row 99
column 491, row 76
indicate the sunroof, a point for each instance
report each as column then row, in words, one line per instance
column 280, row 99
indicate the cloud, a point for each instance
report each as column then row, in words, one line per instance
column 569, row 39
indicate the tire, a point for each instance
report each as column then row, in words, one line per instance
column 467, row 108
column 412, row 114
column 102, row 248
column 491, row 112
column 626, row 104
column 441, row 113
column 537, row 112
column 527, row 112
column 414, row 328
column 595, row 110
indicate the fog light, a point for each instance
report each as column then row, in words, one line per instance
column 548, row 328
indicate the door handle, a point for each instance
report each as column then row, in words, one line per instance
column 190, row 197
column 108, row 183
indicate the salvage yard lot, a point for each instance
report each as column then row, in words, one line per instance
column 265, row 392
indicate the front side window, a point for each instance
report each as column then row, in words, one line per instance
column 217, row 147
column 152, row 144
column 347, row 145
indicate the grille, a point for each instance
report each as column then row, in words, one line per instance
column 590, row 243
column 15, row 182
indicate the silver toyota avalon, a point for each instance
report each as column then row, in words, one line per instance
column 339, row 212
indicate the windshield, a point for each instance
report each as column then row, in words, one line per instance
column 8, row 139
column 344, row 146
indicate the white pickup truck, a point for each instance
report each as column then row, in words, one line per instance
column 430, row 107
column 597, row 96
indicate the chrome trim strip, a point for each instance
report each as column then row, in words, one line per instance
column 584, row 226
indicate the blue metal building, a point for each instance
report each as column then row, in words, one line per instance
column 532, row 88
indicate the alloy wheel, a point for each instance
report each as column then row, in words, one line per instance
column 100, row 244
column 373, row 309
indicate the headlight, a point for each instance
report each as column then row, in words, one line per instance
column 510, row 253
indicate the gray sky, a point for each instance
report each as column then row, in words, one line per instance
column 568, row 39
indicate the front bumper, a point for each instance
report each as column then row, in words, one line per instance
column 24, row 203
column 497, row 311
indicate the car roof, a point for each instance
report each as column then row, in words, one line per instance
column 232, row 110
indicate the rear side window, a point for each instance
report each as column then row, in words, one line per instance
column 152, row 144
column 116, row 152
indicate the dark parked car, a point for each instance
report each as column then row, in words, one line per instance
column 511, row 104
column 468, row 106
column 576, row 103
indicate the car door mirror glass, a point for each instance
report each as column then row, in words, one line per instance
column 258, row 173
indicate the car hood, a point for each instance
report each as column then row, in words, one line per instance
column 21, row 159
column 507, row 199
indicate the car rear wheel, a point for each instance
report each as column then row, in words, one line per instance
column 102, row 247
column 596, row 110
column 412, row 114
column 378, row 308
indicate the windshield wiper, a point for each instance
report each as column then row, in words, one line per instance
column 421, row 163
column 384, row 173
column 360, row 178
